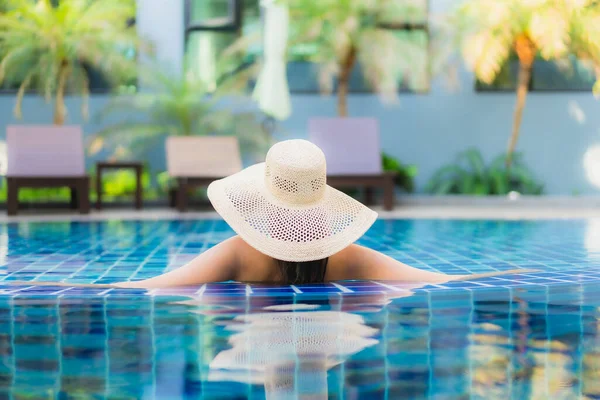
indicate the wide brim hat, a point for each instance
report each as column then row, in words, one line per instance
column 284, row 208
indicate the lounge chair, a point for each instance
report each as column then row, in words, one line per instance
column 353, row 152
column 46, row 156
column 197, row 161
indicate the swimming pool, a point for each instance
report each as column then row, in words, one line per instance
column 532, row 336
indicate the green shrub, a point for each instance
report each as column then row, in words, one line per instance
column 121, row 183
column 405, row 174
column 470, row 175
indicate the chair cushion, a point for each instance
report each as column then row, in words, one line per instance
column 351, row 145
column 45, row 150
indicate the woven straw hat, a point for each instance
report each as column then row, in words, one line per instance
column 284, row 208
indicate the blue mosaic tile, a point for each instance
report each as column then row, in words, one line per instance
column 108, row 252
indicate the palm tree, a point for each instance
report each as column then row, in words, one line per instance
column 176, row 105
column 490, row 31
column 52, row 47
column 340, row 34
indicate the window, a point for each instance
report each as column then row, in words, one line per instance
column 211, row 27
column 408, row 20
column 547, row 76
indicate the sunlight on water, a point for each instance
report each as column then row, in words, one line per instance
column 529, row 344
column 531, row 336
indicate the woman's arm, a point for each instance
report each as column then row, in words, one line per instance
column 359, row 262
column 217, row 264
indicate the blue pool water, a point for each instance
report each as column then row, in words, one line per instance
column 530, row 336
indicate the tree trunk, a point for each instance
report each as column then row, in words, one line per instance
column 344, row 82
column 60, row 111
column 522, row 88
column 596, row 88
column 526, row 51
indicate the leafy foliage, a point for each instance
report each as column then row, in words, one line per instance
column 470, row 175
column 335, row 35
column 335, row 28
column 116, row 185
column 122, row 183
column 405, row 174
column 178, row 106
column 488, row 31
column 50, row 47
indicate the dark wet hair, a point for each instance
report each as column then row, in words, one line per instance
column 299, row 273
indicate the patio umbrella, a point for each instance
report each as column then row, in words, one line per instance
column 271, row 90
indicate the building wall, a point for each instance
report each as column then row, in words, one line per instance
column 428, row 130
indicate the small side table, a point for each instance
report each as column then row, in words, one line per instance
column 136, row 166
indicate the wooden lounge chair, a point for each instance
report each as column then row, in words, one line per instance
column 46, row 156
column 197, row 161
column 353, row 152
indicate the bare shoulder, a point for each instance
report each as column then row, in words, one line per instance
column 252, row 265
column 232, row 247
column 358, row 262
column 346, row 263
column 236, row 249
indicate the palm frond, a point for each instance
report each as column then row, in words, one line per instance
column 475, row 178
column 13, row 59
column 498, row 181
column 324, row 32
column 486, row 53
column 484, row 32
column 181, row 106
column 137, row 137
column 474, row 161
column 446, row 187
column 381, row 66
column 549, row 29
column 39, row 38
column 24, row 85
column 83, row 82
column 127, row 104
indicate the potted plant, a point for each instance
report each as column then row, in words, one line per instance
column 52, row 48
column 489, row 32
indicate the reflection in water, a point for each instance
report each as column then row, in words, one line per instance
column 539, row 343
column 290, row 352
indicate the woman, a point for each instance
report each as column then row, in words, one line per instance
column 291, row 229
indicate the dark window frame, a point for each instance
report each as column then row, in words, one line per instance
column 236, row 25
column 404, row 27
column 236, row 8
column 481, row 88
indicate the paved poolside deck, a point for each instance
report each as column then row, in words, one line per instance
column 421, row 207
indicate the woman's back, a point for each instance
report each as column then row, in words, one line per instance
column 353, row 262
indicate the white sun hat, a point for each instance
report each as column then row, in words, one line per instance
column 285, row 209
